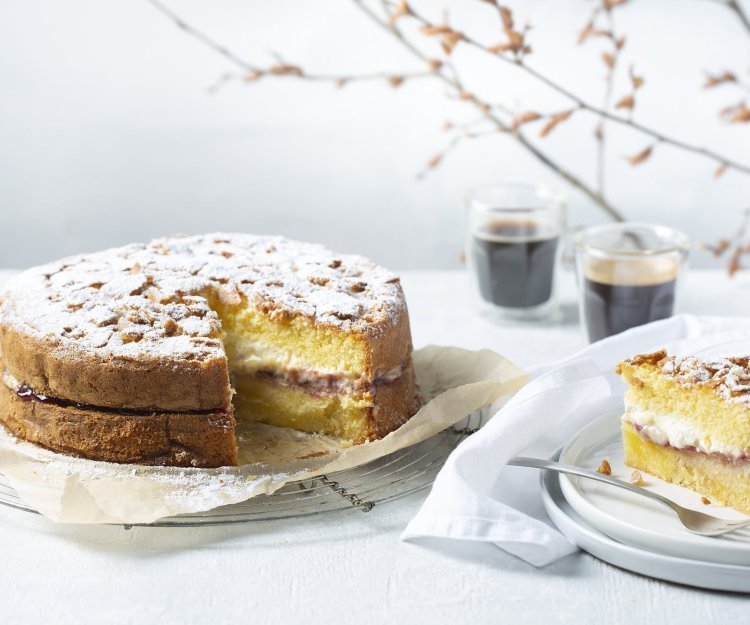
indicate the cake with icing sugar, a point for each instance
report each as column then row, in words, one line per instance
column 687, row 421
column 145, row 353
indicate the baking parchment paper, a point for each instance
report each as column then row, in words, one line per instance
column 453, row 382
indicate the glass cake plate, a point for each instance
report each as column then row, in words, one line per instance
column 375, row 483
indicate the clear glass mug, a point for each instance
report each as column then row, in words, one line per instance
column 513, row 249
column 628, row 274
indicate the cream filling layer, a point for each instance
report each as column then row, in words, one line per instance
column 250, row 356
column 10, row 381
column 678, row 431
column 319, row 381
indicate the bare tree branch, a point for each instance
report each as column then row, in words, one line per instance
column 251, row 71
column 655, row 134
column 437, row 70
column 571, row 178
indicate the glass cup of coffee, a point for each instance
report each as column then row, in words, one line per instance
column 628, row 275
column 513, row 249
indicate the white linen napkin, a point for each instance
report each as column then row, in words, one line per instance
column 466, row 502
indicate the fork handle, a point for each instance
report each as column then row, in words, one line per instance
column 538, row 463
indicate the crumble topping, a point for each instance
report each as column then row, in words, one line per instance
column 729, row 376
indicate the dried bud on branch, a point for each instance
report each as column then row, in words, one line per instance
column 395, row 81
column 608, row 59
column 713, row 80
column 434, row 161
column 402, row 9
column 516, row 45
column 525, row 118
column 635, row 80
column 285, row 70
column 434, row 64
column 721, row 246
column 431, row 30
column 590, row 31
column 720, row 170
column 626, row 102
column 450, row 40
column 639, row 158
column 554, row 121
column 507, row 16
column 449, row 37
column 516, row 40
column 500, row 48
column 738, row 114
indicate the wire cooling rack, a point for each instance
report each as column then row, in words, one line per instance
column 398, row 474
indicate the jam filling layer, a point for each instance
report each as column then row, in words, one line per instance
column 317, row 383
column 740, row 458
column 26, row 393
column 680, row 431
column 310, row 382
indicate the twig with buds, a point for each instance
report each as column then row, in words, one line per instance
column 513, row 48
column 515, row 59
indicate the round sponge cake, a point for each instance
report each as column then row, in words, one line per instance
column 133, row 354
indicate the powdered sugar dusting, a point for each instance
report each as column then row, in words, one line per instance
column 729, row 376
column 154, row 299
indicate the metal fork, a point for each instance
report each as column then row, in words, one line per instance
column 696, row 522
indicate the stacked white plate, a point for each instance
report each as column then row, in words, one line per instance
column 634, row 532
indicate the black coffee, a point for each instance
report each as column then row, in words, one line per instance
column 515, row 262
column 613, row 308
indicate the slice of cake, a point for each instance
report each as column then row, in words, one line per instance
column 687, row 421
column 148, row 353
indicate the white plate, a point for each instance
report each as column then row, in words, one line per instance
column 635, row 520
column 709, row 575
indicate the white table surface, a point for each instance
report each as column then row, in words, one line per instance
column 350, row 567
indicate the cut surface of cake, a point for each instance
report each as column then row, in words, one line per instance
column 147, row 353
column 687, row 421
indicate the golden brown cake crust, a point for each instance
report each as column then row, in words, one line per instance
column 652, row 359
column 170, row 439
column 395, row 403
column 45, row 363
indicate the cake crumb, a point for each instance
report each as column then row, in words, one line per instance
column 705, row 501
column 636, row 478
column 604, row 468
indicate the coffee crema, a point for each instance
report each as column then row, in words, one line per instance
column 515, row 262
column 622, row 294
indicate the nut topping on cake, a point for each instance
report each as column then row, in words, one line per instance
column 729, row 376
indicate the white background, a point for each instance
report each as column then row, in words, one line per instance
column 107, row 133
